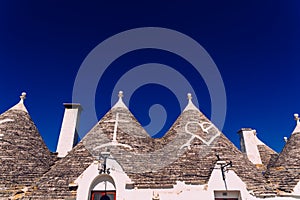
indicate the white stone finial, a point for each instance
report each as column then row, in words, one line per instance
column 120, row 95
column 190, row 105
column 297, row 128
column 296, row 116
column 23, row 96
column 120, row 102
column 20, row 105
column 285, row 139
column 189, row 96
column 254, row 132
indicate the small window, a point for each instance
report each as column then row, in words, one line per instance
column 227, row 195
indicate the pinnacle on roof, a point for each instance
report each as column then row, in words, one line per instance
column 20, row 105
column 288, row 162
column 120, row 103
column 188, row 128
column 21, row 142
column 297, row 128
column 190, row 105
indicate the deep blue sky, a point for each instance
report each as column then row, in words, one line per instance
column 255, row 44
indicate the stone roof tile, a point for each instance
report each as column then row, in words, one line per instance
column 283, row 175
column 24, row 156
column 186, row 153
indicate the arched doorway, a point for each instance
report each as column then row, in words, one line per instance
column 103, row 188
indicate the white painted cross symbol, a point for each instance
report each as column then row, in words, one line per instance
column 117, row 120
column 114, row 141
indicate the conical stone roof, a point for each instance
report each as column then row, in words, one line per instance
column 186, row 153
column 101, row 137
column 284, row 174
column 24, row 156
column 197, row 142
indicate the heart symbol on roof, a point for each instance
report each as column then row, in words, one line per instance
column 207, row 128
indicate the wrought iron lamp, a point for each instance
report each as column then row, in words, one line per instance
column 103, row 167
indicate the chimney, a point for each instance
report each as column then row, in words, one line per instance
column 68, row 133
column 249, row 142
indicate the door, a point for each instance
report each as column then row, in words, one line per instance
column 96, row 195
column 226, row 199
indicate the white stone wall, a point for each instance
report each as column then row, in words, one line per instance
column 236, row 188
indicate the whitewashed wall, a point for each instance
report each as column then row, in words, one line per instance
column 216, row 186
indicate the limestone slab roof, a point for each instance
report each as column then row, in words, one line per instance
column 24, row 157
column 186, row 153
column 267, row 155
column 284, row 173
column 54, row 184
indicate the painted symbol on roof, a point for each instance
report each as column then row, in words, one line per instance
column 205, row 127
column 6, row 120
column 3, row 121
column 114, row 141
column 95, row 65
column 191, row 126
column 151, row 73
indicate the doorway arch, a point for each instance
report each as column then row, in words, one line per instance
column 102, row 185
